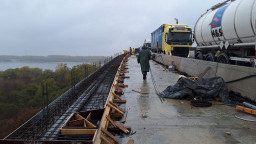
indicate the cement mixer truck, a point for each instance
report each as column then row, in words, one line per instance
column 226, row 33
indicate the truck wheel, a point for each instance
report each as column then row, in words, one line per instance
column 199, row 55
column 210, row 57
column 223, row 58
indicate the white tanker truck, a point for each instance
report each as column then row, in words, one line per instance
column 226, row 33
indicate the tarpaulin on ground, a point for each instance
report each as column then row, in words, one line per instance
column 202, row 88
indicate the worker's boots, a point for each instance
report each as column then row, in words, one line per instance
column 144, row 76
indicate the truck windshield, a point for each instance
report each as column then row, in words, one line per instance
column 183, row 38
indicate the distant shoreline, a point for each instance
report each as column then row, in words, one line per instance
column 41, row 65
column 51, row 58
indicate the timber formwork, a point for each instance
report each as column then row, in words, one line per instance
column 89, row 94
column 114, row 115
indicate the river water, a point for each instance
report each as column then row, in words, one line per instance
column 41, row 65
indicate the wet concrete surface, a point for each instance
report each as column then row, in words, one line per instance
column 175, row 121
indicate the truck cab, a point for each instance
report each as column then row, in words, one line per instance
column 177, row 40
column 172, row 39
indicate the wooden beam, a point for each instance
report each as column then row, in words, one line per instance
column 110, row 135
column 112, row 111
column 74, row 123
column 116, row 106
column 85, row 125
column 78, row 131
column 246, row 110
column 120, row 81
column 121, row 127
column 116, row 115
column 130, row 141
column 78, row 116
column 113, row 129
column 119, row 101
column 104, row 138
column 139, row 92
column 89, row 123
column 122, row 85
column 111, row 121
column 117, row 96
column 118, row 110
column 124, row 76
column 118, row 89
column 89, row 116
column 104, row 121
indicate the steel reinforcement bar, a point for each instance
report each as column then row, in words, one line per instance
column 90, row 93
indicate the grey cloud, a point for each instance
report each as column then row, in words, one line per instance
column 87, row 27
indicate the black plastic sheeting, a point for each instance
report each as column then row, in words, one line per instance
column 203, row 88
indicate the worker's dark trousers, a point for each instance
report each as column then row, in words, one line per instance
column 144, row 75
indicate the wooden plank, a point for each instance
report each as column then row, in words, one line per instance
column 85, row 125
column 111, row 121
column 78, row 116
column 113, row 111
column 110, row 135
column 130, row 141
column 74, row 123
column 104, row 122
column 118, row 90
column 117, row 96
column 119, row 101
column 120, row 81
column 122, row 85
column 139, row 92
column 116, row 106
column 105, row 139
column 121, row 127
column 246, row 110
column 89, row 123
column 89, row 116
column 116, row 115
column 113, row 129
column 113, row 107
column 68, row 119
column 78, row 131
column 124, row 76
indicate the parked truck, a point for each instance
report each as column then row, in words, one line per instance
column 172, row 39
column 226, row 33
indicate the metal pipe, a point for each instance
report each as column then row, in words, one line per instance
column 246, row 104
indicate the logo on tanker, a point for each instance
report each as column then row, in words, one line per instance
column 216, row 22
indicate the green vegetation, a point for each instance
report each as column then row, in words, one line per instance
column 21, row 91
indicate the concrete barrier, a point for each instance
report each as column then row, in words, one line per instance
column 194, row 67
column 247, row 87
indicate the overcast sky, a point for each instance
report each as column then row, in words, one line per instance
column 88, row 27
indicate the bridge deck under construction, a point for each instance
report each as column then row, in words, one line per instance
column 176, row 121
column 115, row 105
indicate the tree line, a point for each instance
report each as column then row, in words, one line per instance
column 21, row 91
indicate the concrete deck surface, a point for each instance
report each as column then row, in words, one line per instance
column 175, row 121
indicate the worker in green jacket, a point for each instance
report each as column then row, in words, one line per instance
column 143, row 59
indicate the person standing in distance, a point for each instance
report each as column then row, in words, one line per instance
column 143, row 59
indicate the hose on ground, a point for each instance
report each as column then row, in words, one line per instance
column 155, row 86
column 242, row 78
